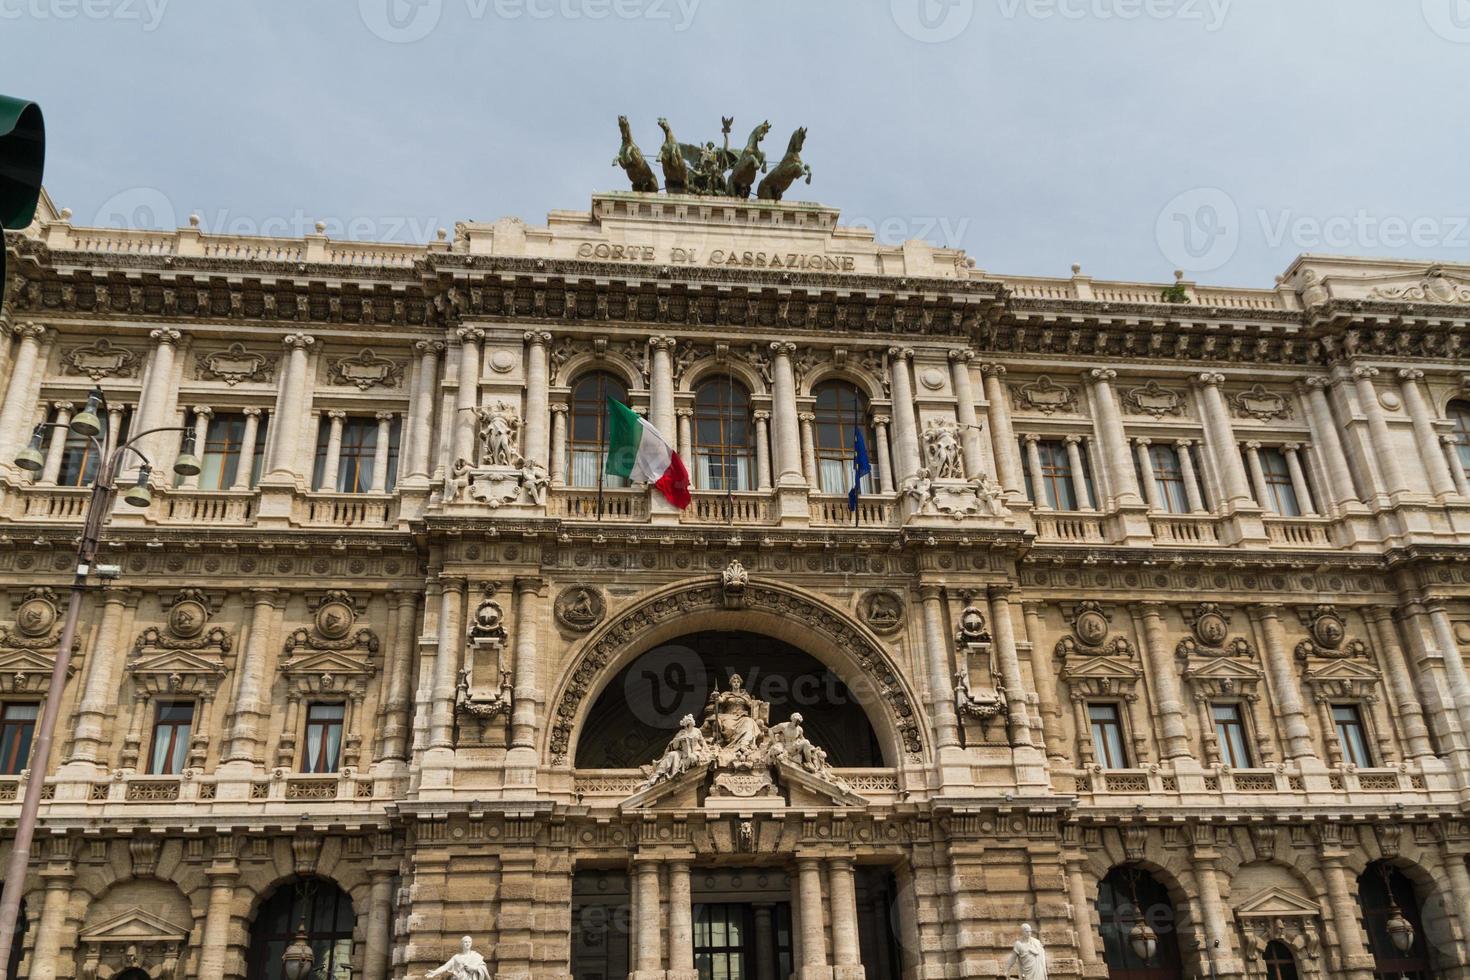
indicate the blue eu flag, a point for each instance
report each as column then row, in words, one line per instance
column 860, row 467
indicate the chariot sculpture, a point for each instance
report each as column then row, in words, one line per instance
column 710, row 170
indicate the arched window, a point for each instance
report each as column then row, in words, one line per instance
column 1136, row 916
column 315, row 906
column 1388, row 901
column 1460, row 416
column 841, row 410
column 1280, row 964
column 587, row 433
column 724, row 441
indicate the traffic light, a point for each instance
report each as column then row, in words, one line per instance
column 22, row 159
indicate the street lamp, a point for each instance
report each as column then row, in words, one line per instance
column 298, row 959
column 87, row 424
column 1145, row 941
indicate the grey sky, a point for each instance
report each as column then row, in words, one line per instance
column 1045, row 132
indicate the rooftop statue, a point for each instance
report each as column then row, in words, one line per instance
column 712, row 170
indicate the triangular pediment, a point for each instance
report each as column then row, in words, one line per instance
column 136, row 925
column 1222, row 668
column 27, row 660
column 328, row 662
column 176, row 662
column 1342, row 670
column 795, row 776
column 1108, row 667
column 1276, row 901
column 682, row 790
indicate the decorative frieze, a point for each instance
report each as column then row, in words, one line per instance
column 1259, row 404
column 1045, row 396
column 1154, row 400
column 236, row 364
column 365, row 370
column 101, row 359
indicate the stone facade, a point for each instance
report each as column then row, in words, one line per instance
column 1148, row 605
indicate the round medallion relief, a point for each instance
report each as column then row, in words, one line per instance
column 932, row 378
column 580, row 608
column 1211, row 629
column 35, row 616
column 502, row 361
column 1389, row 400
column 1328, row 631
column 334, row 619
column 186, row 619
column 1092, row 627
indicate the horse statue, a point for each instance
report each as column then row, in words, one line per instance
column 774, row 184
column 671, row 158
column 742, row 177
column 630, row 158
column 708, row 163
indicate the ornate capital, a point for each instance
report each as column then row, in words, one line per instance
column 434, row 347
column 931, row 590
column 165, row 335
column 1184, row 443
column 538, row 338
column 1410, row 374
column 662, row 343
column 685, row 413
column 1072, row 440
column 297, row 341
column 882, row 419
column 1292, row 447
column 203, row 411
column 1364, row 372
column 1103, row 374
column 1450, row 439
column 63, row 406
column 30, row 331
column 560, row 408
column 762, row 416
column 1210, row 378
column 1030, row 438
column 250, row 413
column 470, row 335
column 900, row 353
column 962, row 355
column 807, row 417
column 990, row 367
column 1253, row 445
column 783, row 348
column 1143, row 441
column 386, row 416
column 336, row 415
column 1317, row 383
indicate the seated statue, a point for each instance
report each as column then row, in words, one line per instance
column 687, row 749
column 464, row 965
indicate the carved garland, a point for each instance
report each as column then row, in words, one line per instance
column 870, row 658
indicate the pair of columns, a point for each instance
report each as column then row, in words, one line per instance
column 331, row 467
column 1291, row 451
column 810, row 905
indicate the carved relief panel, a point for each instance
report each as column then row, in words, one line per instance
column 980, row 695
column 186, row 657
column 483, row 693
column 1100, row 666
column 1220, row 669
column 333, row 659
column 1338, row 671
column 28, row 645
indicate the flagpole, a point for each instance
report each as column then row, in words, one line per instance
column 729, row 423
column 601, row 454
column 857, row 480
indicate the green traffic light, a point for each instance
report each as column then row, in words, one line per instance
column 22, row 162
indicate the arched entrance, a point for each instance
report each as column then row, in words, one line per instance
column 636, row 714
column 1139, row 926
column 316, row 907
column 1390, row 902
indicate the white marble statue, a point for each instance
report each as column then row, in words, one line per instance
column 686, row 750
column 464, row 965
column 1028, row 956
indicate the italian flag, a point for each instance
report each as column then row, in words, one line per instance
column 638, row 451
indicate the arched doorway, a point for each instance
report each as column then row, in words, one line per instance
column 314, row 906
column 1280, row 963
column 1139, row 926
column 132, row 974
column 1389, row 902
column 639, row 710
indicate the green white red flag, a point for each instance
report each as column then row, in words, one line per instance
column 638, row 451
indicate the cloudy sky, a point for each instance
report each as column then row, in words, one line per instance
column 1132, row 136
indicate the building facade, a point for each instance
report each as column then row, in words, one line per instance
column 1148, row 628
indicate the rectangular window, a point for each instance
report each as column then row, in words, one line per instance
column 79, row 458
column 172, row 726
column 1058, row 488
column 1107, row 736
column 1351, row 735
column 1230, row 733
column 357, row 456
column 17, row 726
column 323, row 737
column 720, row 941
column 1281, row 494
column 1169, row 479
column 224, row 444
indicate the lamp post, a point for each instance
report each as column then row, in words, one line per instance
column 88, row 424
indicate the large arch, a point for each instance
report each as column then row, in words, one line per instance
column 785, row 613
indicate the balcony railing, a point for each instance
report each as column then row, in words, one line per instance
column 1185, row 529
column 204, row 507
column 583, row 505
column 710, row 507
column 345, row 510
column 831, row 511
column 1069, row 528
column 1298, row 532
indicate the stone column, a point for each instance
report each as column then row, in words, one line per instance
column 1434, row 687
column 1258, row 476
column 1079, row 475
column 1454, row 662
column 247, row 741
column 56, row 443
column 1150, row 483
column 153, row 401
column 379, row 946
column 1327, row 442
column 1043, row 669
column 286, row 442
column 527, row 686
column 15, row 413
column 396, row 707
column 1440, row 481
column 1378, row 435
column 1459, row 875
column 1010, row 664
column 809, row 452
column 1216, row 927
column 1222, row 440
column 765, row 943
column 421, row 424
column 842, row 898
column 905, row 424
column 1187, row 474
column 99, row 690
column 467, row 398
column 380, row 453
column 1081, row 902
column 1457, row 471
column 681, row 924
column 114, row 424
column 661, row 385
column 1286, row 688
column 1400, row 684
column 964, row 391
column 558, row 468
column 538, row 392
column 1114, row 440
column 214, row 949
column 648, row 952
column 1165, row 680
column 783, row 408
column 246, row 463
column 1002, row 436
column 446, row 662
column 202, row 415
column 1353, row 955
column 882, row 463
column 1299, row 485
column 813, row 932
column 762, row 450
column 685, row 446
column 334, row 452
column 46, row 951
column 936, row 644
column 1033, row 463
